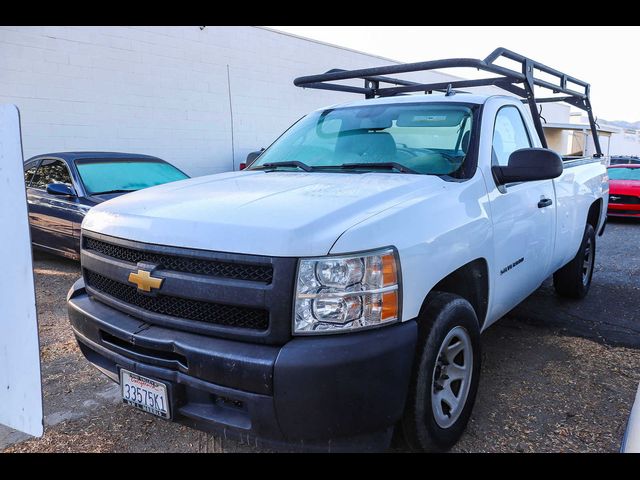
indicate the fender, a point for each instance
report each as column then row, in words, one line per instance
column 435, row 234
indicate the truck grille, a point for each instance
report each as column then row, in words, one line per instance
column 196, row 310
column 220, row 294
column 624, row 199
column 198, row 266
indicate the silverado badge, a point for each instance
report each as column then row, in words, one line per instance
column 145, row 281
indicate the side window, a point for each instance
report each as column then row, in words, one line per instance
column 29, row 171
column 509, row 135
column 51, row 171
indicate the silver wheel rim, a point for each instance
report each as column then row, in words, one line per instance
column 451, row 377
column 587, row 263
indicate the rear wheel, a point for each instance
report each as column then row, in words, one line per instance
column 574, row 279
column 445, row 375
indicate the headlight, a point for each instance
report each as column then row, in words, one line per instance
column 346, row 293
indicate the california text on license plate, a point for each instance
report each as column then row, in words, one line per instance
column 144, row 393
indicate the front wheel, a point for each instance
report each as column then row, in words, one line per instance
column 574, row 279
column 445, row 375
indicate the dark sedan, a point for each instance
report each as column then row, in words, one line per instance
column 61, row 187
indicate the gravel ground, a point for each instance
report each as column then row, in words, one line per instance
column 557, row 376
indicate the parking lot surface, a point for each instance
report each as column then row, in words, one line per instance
column 557, row 375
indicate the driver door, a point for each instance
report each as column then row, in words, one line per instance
column 524, row 219
column 52, row 216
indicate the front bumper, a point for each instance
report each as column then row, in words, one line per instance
column 335, row 392
column 623, row 210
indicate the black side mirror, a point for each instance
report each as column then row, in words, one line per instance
column 529, row 164
column 61, row 189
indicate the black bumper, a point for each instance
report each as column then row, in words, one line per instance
column 335, row 392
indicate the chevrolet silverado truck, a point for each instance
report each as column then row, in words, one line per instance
column 335, row 291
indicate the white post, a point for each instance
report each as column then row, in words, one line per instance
column 20, row 383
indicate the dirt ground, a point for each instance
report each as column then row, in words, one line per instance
column 557, row 375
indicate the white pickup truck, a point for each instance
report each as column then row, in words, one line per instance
column 336, row 290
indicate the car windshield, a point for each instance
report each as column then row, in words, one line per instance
column 421, row 138
column 110, row 176
column 624, row 173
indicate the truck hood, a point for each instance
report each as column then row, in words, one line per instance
column 262, row 213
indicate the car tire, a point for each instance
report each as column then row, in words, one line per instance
column 574, row 279
column 448, row 323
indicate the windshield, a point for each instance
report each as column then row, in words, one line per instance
column 425, row 138
column 107, row 176
column 624, row 173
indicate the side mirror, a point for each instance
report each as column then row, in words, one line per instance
column 252, row 157
column 529, row 164
column 60, row 189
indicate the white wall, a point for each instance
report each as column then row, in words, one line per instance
column 618, row 141
column 555, row 112
column 164, row 90
column 625, row 143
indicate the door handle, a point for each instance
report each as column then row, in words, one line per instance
column 545, row 202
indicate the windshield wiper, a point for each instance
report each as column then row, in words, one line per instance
column 376, row 166
column 291, row 163
column 112, row 191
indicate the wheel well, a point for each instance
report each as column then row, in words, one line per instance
column 471, row 282
column 593, row 217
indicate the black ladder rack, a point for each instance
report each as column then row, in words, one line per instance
column 518, row 83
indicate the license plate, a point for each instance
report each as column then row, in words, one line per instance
column 144, row 393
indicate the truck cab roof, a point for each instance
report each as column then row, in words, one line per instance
column 456, row 98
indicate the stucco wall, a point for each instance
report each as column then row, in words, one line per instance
column 174, row 92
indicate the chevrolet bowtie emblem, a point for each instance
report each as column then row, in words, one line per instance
column 145, row 281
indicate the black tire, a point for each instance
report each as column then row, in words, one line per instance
column 571, row 280
column 443, row 312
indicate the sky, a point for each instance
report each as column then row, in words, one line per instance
column 605, row 57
